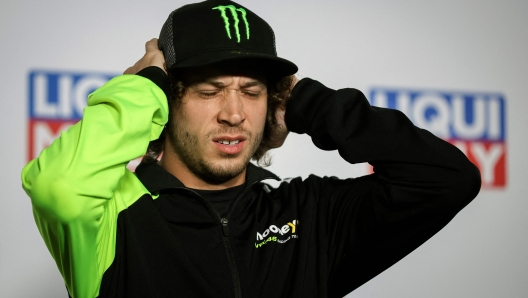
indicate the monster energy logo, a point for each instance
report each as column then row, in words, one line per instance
column 234, row 13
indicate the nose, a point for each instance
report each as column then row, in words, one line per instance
column 232, row 109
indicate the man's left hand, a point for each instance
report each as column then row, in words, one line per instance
column 281, row 131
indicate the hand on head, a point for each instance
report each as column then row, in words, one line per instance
column 281, row 131
column 153, row 57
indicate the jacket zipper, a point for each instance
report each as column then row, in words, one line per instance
column 231, row 258
column 225, row 229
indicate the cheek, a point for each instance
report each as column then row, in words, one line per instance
column 190, row 117
column 260, row 115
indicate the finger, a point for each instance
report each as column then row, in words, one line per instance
column 295, row 80
column 151, row 45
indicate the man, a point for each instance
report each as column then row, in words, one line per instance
column 200, row 223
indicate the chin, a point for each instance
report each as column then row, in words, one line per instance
column 222, row 171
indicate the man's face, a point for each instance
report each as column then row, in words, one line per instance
column 219, row 124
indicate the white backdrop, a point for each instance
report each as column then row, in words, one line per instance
column 478, row 46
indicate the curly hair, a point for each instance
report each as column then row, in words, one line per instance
column 278, row 89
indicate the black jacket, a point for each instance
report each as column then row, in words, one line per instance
column 318, row 237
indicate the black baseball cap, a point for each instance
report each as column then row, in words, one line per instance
column 220, row 32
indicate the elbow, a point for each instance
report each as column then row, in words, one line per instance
column 475, row 180
column 53, row 197
column 465, row 185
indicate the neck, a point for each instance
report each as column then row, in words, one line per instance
column 174, row 165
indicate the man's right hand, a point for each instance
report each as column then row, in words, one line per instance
column 153, row 57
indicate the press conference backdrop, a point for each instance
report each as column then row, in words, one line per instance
column 456, row 68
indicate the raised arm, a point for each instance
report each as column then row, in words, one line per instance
column 79, row 184
column 420, row 182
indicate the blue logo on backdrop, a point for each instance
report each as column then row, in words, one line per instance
column 58, row 95
column 450, row 115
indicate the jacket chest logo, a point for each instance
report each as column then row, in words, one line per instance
column 278, row 234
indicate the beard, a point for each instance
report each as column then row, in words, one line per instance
column 186, row 146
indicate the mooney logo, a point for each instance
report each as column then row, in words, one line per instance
column 56, row 101
column 472, row 121
column 281, row 234
column 234, row 13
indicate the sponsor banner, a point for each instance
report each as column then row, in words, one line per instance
column 472, row 121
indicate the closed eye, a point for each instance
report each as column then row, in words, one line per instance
column 208, row 94
column 251, row 93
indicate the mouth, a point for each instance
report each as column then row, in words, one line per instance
column 230, row 144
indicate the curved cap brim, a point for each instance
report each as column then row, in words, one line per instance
column 271, row 65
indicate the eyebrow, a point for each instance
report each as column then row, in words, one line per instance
column 219, row 84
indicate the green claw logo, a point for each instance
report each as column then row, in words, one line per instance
column 234, row 13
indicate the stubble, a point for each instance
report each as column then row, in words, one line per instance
column 186, row 145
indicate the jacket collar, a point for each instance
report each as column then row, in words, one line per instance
column 155, row 178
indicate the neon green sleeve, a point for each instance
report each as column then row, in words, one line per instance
column 80, row 183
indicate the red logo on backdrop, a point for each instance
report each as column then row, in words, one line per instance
column 472, row 121
column 489, row 157
column 43, row 132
